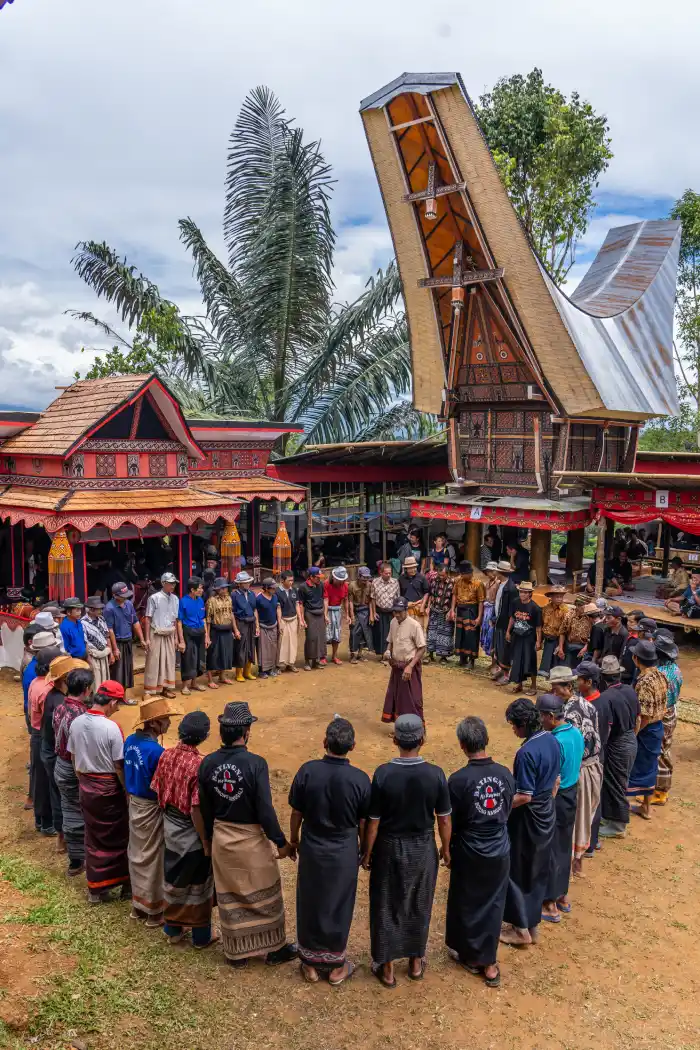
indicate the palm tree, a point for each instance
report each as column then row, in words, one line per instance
column 272, row 343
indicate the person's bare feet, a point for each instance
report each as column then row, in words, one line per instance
column 491, row 972
column 577, row 866
column 226, row 681
column 309, row 974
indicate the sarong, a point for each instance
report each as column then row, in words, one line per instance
column 524, row 657
column 193, row 660
column 486, row 640
column 549, row 660
column 289, row 640
column 562, row 843
column 188, row 882
column 221, row 652
column 326, row 888
column 73, row 820
column 100, row 665
column 248, row 890
column 467, row 636
column 159, row 672
column 665, row 771
column 334, row 623
column 475, row 904
column 315, row 640
column 401, row 890
column 572, row 651
column 146, row 854
column 590, row 782
column 503, row 648
column 531, row 830
column 382, row 625
column 269, row 645
column 103, row 803
column 620, row 754
column 48, row 760
column 244, row 649
column 38, row 778
column 646, row 764
column 361, row 632
column 403, row 698
column 440, row 633
column 122, row 670
column 415, row 610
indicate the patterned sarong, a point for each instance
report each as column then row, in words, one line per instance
column 440, row 638
column 103, row 803
column 188, row 885
column 665, row 771
column 590, row 782
column 486, row 640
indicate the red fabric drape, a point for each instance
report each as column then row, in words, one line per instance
column 685, row 522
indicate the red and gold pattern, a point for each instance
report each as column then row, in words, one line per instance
column 61, row 584
column 281, row 550
column 230, row 551
column 526, row 519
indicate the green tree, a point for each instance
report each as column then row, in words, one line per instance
column 550, row 152
column 272, row 343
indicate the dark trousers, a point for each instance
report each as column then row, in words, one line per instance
column 41, row 795
column 48, row 760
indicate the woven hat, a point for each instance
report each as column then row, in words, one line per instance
column 591, row 609
column 45, row 620
column 42, row 640
column 524, row 585
column 63, row 665
column 505, row 566
column 340, row 573
column 156, row 707
column 237, row 713
column 491, row 566
column 243, row 577
column 555, row 592
column 560, row 674
column 580, row 599
column 410, row 562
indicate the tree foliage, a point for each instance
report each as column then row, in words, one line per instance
column 550, row 152
column 272, row 344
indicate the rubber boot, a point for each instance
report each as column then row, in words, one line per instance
column 248, row 672
column 239, row 674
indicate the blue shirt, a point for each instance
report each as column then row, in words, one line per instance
column 191, row 612
column 73, row 638
column 141, row 754
column 571, row 747
column 121, row 619
column 537, row 763
column 28, row 676
column 267, row 609
column 244, row 605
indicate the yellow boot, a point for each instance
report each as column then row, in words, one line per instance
column 248, row 672
column 239, row 674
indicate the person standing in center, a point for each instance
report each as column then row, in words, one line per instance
column 414, row 588
column 506, row 597
column 331, row 798
column 221, row 654
column 163, row 636
column 269, row 619
column 407, row 794
column 384, row 593
column 575, row 632
column 525, row 635
column 404, row 653
column 289, row 623
column 481, row 794
column 241, row 828
column 554, row 615
column 467, row 612
column 313, row 619
column 123, row 623
column 245, row 627
column 335, row 602
column 440, row 623
column 195, row 632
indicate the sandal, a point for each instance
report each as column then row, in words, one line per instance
column 306, row 974
column 378, row 972
column 546, row 917
column 213, row 685
column 565, row 908
column 201, row 688
column 351, row 967
column 186, row 691
column 418, row 976
column 528, row 692
column 495, row 981
column 638, row 811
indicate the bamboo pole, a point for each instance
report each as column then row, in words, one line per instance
column 600, row 558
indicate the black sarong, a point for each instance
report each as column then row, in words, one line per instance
column 549, row 660
column 193, row 660
column 41, row 796
column 531, row 830
column 361, row 631
column 502, row 647
column 244, row 649
column 401, row 890
column 620, row 753
column 381, row 629
column 315, row 639
column 220, row 654
column 562, row 843
column 524, row 657
column 326, row 887
column 122, row 670
column 466, row 636
column 475, row 904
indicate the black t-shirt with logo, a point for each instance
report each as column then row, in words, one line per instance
column 527, row 617
column 482, row 796
column 406, row 795
column 234, row 785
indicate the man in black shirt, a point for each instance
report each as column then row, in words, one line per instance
column 400, row 853
column 506, row 597
column 312, row 617
column 621, row 568
column 240, row 821
column 596, row 638
column 415, row 589
column 620, row 749
column 331, row 798
column 289, row 627
column 615, row 633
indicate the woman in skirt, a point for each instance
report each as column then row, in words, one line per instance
column 525, row 634
column 220, row 622
column 467, row 612
column 440, row 628
column 493, row 582
column 195, row 631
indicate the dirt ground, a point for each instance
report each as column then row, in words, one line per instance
column 622, row 970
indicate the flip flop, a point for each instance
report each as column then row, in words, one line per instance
column 378, row 973
column 493, row 982
column 352, row 968
column 565, row 908
column 304, row 970
column 476, row 970
column 640, row 812
column 418, row 976
column 550, row 918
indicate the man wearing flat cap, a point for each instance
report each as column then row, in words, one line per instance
column 241, row 826
column 404, row 652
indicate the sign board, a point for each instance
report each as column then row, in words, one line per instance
column 475, row 513
column 662, row 498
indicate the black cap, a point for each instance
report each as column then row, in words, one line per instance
column 195, row 722
column 466, row 567
column 588, row 669
column 614, row 610
column 400, row 605
column 645, row 652
column 550, row 704
column 237, row 713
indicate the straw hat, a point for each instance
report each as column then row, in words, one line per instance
column 63, row 665
column 491, row 566
column 524, row 585
column 157, row 707
column 410, row 562
column 505, row 566
column 555, row 592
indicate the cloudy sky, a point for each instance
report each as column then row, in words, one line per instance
column 114, row 120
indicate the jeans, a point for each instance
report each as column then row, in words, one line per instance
column 201, row 935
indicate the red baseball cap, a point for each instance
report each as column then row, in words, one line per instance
column 114, row 690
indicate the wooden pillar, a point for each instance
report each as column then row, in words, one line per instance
column 600, row 558
column 309, row 526
column 384, row 521
column 472, row 542
column 575, row 540
column 540, row 546
column 362, row 504
column 667, row 549
column 17, row 554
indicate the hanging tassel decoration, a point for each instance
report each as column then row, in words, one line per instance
column 281, row 550
column 230, row 551
column 61, row 581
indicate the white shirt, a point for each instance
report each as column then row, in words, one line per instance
column 95, row 743
column 162, row 610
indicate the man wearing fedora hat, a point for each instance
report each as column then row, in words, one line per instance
column 335, row 602
column 240, row 823
column 506, row 597
column 668, row 652
column 123, row 623
column 652, row 693
column 575, row 632
column 414, row 588
column 246, row 628
column 404, row 652
column 554, row 615
column 142, row 751
column 163, row 636
column 525, row 635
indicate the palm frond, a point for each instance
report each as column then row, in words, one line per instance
column 85, row 315
column 401, row 421
column 221, row 291
column 116, row 281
